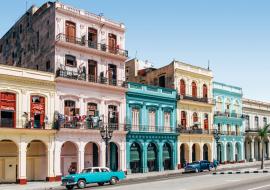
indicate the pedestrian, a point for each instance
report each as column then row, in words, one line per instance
column 71, row 170
column 215, row 163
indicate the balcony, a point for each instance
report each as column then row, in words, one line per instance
column 85, row 125
column 231, row 133
column 195, row 131
column 153, row 129
column 197, row 99
column 90, row 78
column 252, row 130
column 82, row 42
column 24, row 124
column 228, row 114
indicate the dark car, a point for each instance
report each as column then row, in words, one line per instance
column 199, row 166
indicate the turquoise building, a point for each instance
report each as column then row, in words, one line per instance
column 151, row 123
column 228, row 121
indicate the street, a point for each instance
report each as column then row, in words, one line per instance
column 201, row 182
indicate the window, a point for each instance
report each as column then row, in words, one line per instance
column 219, row 104
column 228, row 129
column 70, row 109
column 112, row 74
column 95, row 170
column 92, row 38
column 135, row 118
column 104, row 170
column 247, row 121
column 194, row 89
column 195, row 117
column 237, row 107
column 13, row 34
column 37, row 111
column 183, row 119
column 205, row 91
column 256, row 121
column 228, row 106
column 182, row 87
column 161, row 81
column 71, row 61
column 264, row 121
column 48, row 66
column 21, row 28
column 167, row 121
column 206, row 122
column 152, row 119
column 70, row 32
column 92, row 110
column 219, row 128
column 237, row 130
column 92, row 71
column 113, row 115
column 112, row 43
column 7, row 110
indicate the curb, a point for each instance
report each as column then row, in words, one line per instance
column 241, row 172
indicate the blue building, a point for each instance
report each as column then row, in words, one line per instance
column 228, row 120
column 151, row 123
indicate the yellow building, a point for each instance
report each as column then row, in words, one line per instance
column 26, row 116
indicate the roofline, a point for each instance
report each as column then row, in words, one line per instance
column 194, row 66
column 223, row 84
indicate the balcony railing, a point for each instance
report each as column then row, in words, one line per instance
column 89, row 126
column 231, row 133
column 93, row 45
column 147, row 128
column 195, row 131
column 90, row 78
column 227, row 114
column 24, row 124
column 197, row 99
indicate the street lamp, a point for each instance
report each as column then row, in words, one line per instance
column 217, row 137
column 106, row 132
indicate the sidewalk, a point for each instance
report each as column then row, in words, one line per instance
column 130, row 178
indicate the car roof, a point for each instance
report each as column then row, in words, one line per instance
column 96, row 168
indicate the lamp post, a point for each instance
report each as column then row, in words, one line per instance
column 217, row 137
column 106, row 132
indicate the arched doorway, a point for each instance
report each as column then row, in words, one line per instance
column 220, row 153
column 196, row 152
column 248, row 155
column 69, row 157
column 135, row 158
column 184, row 154
column 152, row 160
column 205, row 152
column 36, row 165
column 91, row 152
column 257, row 152
column 237, row 156
column 229, row 152
column 167, row 156
column 8, row 161
column 114, row 156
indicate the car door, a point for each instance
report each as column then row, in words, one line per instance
column 97, row 175
column 105, row 174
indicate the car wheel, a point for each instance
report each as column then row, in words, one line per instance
column 81, row 184
column 196, row 170
column 69, row 187
column 100, row 184
column 209, row 168
column 113, row 181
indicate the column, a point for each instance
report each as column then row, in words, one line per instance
column 102, row 153
column 160, row 157
column 252, row 150
column 175, row 156
column 128, row 144
column 233, row 153
column 80, row 158
column 50, row 162
column 160, row 122
column 178, row 155
column 268, row 150
column 201, row 151
column 22, row 164
column 190, row 153
column 144, row 159
column 57, row 164
column 122, row 157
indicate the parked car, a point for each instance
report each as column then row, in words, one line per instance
column 99, row 175
column 199, row 166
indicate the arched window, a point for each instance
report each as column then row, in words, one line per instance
column 205, row 94
column 195, row 117
column 182, row 87
column 206, row 122
column 194, row 89
column 183, row 119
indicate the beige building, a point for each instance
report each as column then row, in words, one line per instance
column 26, row 116
column 257, row 114
column 195, row 105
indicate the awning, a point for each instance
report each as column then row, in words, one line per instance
column 151, row 155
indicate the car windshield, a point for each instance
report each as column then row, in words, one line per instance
column 194, row 163
column 86, row 171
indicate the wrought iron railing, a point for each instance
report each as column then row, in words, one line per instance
column 197, row 99
column 87, row 125
column 147, row 128
column 90, row 78
column 93, row 45
column 195, row 131
column 227, row 114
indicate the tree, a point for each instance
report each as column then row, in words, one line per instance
column 262, row 135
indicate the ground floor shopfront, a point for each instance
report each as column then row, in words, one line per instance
column 148, row 152
column 194, row 147
column 230, row 149
column 253, row 147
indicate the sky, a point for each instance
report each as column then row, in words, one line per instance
column 233, row 35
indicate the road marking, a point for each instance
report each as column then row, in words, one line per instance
column 232, row 180
column 259, row 187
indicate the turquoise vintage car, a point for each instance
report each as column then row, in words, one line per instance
column 99, row 175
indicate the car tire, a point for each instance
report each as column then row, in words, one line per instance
column 113, row 181
column 69, row 187
column 81, row 184
column 196, row 170
column 209, row 168
column 100, row 184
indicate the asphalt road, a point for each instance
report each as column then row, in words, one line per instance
column 201, row 182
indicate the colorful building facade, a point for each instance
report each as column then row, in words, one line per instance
column 228, row 121
column 26, row 116
column 151, row 123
